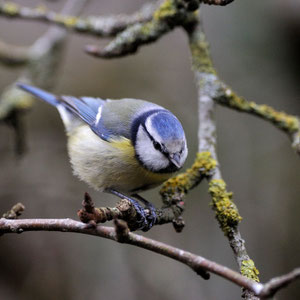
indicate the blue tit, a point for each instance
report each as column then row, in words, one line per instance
column 119, row 146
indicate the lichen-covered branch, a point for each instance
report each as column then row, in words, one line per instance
column 224, row 95
column 288, row 123
column 197, row 263
column 226, row 211
column 169, row 14
column 104, row 26
column 177, row 187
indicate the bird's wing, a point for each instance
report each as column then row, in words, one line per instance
column 89, row 110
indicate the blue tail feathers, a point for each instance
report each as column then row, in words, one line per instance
column 48, row 97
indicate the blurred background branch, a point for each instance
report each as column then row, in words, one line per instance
column 102, row 26
column 42, row 61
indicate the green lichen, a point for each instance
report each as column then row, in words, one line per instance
column 178, row 186
column 288, row 123
column 68, row 21
column 10, row 9
column 148, row 28
column 226, row 211
column 249, row 270
column 166, row 10
column 201, row 60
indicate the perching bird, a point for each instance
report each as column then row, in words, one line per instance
column 120, row 146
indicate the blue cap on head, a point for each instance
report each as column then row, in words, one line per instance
column 167, row 126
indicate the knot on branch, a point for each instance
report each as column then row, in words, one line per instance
column 90, row 214
column 122, row 230
column 226, row 211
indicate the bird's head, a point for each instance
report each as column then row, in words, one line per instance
column 160, row 142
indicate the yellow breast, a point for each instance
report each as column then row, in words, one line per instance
column 110, row 164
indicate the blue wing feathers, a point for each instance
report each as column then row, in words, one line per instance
column 48, row 97
column 86, row 108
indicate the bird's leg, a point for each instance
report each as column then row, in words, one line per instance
column 152, row 216
column 142, row 218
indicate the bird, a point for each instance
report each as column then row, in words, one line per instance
column 122, row 146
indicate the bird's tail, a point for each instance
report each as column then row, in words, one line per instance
column 48, row 97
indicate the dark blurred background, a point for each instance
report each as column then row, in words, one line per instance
column 255, row 46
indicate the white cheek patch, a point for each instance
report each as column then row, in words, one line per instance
column 153, row 159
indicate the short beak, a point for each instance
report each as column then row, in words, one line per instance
column 175, row 159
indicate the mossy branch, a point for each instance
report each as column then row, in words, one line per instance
column 209, row 82
column 226, row 211
column 102, row 26
column 169, row 14
column 177, row 187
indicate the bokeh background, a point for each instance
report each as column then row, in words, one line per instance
column 255, row 46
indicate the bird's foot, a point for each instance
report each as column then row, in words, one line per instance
column 151, row 216
column 144, row 220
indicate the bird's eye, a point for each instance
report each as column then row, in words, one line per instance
column 157, row 145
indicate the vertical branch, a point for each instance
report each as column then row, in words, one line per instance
column 226, row 211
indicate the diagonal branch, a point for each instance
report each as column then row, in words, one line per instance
column 167, row 16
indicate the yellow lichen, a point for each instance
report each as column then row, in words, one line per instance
column 179, row 185
column 70, row 21
column 167, row 9
column 148, row 27
column 249, row 270
column 226, row 211
column 10, row 8
column 284, row 121
column 201, row 59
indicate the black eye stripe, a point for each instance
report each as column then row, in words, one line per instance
column 156, row 145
